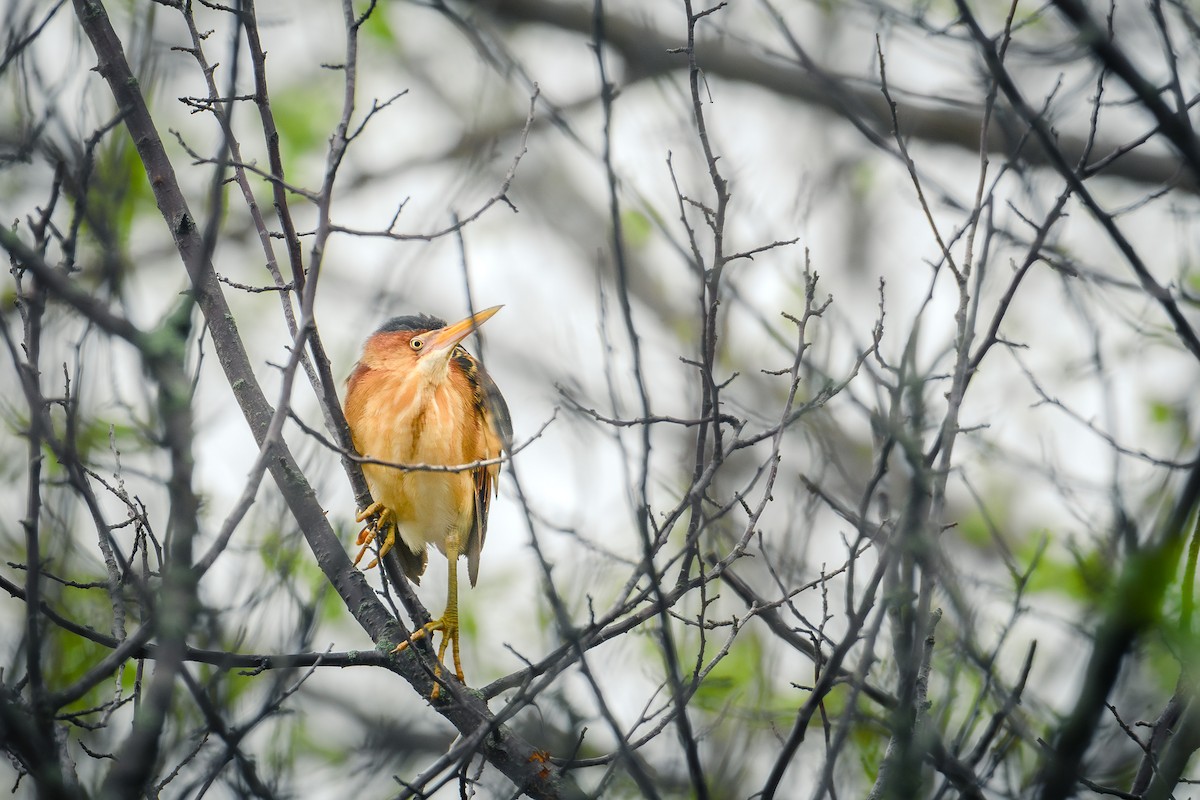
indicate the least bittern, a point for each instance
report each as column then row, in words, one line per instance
column 418, row 397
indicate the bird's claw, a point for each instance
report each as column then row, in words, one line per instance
column 449, row 628
column 381, row 518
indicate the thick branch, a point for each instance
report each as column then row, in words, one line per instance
column 648, row 52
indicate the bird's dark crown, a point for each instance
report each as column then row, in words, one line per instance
column 412, row 322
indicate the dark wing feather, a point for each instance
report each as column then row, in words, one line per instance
column 497, row 408
column 498, row 433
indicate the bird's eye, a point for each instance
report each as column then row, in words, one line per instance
column 416, row 344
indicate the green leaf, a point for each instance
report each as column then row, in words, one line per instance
column 1162, row 413
column 304, row 116
column 1193, row 280
column 736, row 678
column 376, row 27
column 119, row 194
column 974, row 529
column 70, row 656
column 1078, row 576
column 862, row 178
column 636, row 227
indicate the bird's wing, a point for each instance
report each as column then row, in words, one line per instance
column 497, row 434
column 496, row 409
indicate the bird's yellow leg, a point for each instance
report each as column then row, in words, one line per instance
column 447, row 623
column 381, row 523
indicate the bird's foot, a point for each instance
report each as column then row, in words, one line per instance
column 380, row 517
column 448, row 625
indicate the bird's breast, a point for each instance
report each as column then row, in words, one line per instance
column 408, row 422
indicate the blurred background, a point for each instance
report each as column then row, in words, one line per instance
column 987, row 410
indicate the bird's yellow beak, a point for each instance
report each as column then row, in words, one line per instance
column 444, row 339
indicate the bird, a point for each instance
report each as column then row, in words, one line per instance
column 417, row 397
